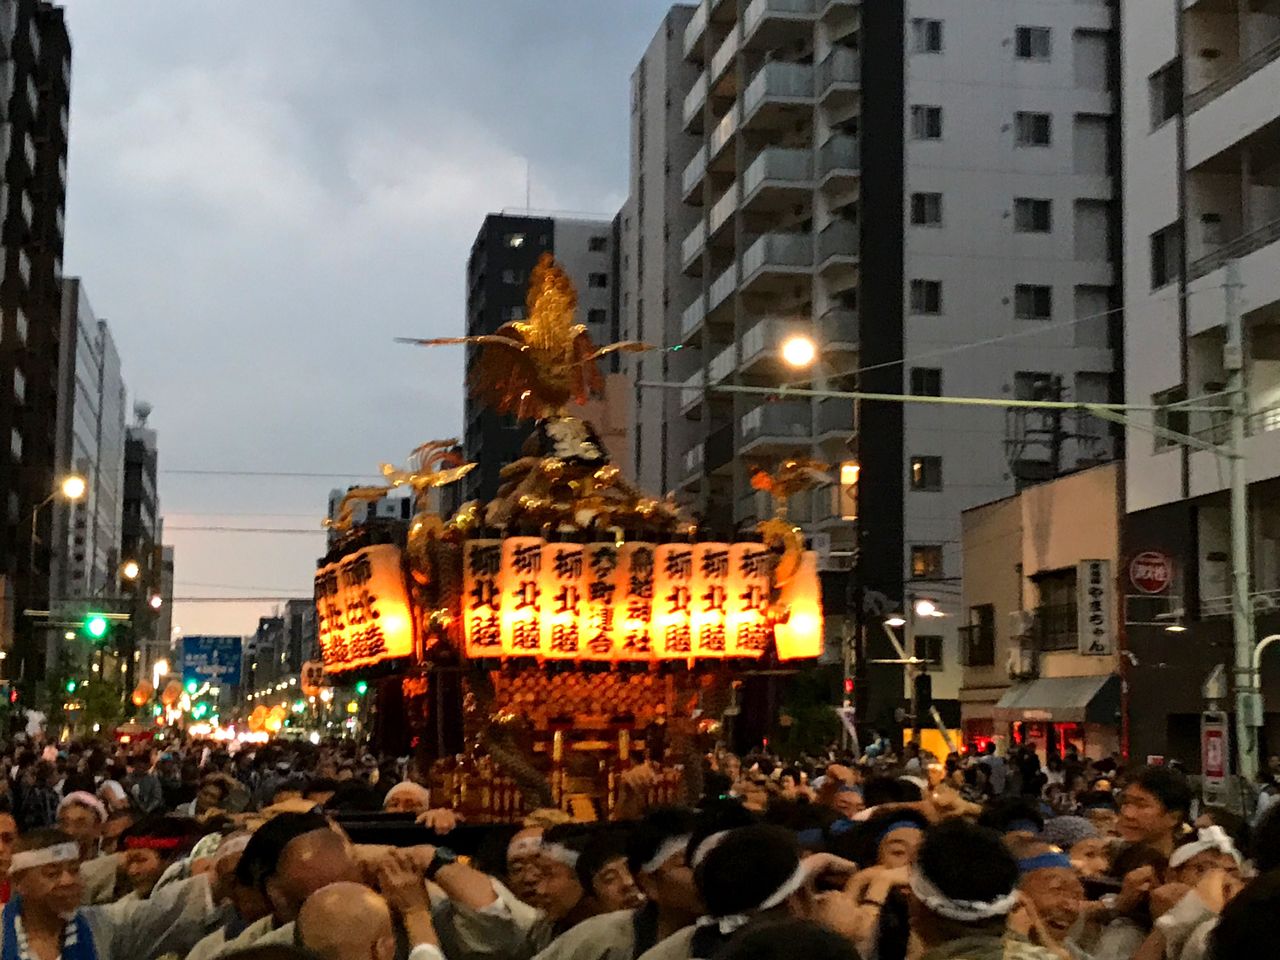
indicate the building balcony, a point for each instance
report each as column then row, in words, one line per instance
column 834, row 419
column 837, row 9
column 695, row 30
column 839, row 78
column 777, row 95
column 723, row 364
column 720, row 296
column 22, row 263
column 691, row 180
column 721, row 61
column 691, row 250
column 1215, row 428
column 840, row 164
column 1224, row 72
column 762, row 343
column 693, row 103
column 785, row 425
column 694, row 459
column 777, row 180
column 8, row 77
column 8, row 28
column 28, row 209
column 775, row 260
column 29, row 151
column 770, row 24
column 33, row 96
column 723, row 133
column 691, row 319
column 838, row 331
column 722, row 210
column 691, row 396
column 838, row 245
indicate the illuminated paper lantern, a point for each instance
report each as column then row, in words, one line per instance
column 708, row 594
column 800, row 634
column 172, row 693
column 672, row 593
column 312, row 678
column 747, row 606
column 561, row 601
column 633, row 611
column 600, row 572
column 521, row 586
column 257, row 719
column 481, row 597
column 142, row 693
column 362, row 609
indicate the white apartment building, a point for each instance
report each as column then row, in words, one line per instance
column 899, row 182
column 1201, row 86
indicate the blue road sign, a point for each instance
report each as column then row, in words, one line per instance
column 212, row 660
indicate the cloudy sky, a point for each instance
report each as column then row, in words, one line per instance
column 263, row 193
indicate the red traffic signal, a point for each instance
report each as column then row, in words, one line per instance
column 848, row 686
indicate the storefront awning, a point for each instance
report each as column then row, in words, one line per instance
column 1062, row 700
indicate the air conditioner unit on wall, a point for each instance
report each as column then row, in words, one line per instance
column 1021, row 664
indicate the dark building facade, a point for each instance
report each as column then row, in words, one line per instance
column 35, row 80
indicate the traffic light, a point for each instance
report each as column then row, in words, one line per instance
column 848, row 686
column 95, row 625
column 199, row 711
column 192, row 686
column 71, row 685
column 362, row 688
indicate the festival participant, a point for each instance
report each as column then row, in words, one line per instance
column 1212, row 849
column 557, row 891
column 889, row 838
column 656, row 856
column 1154, row 807
column 522, row 862
column 118, row 821
column 407, row 797
column 963, row 888
column 44, row 919
column 8, row 836
column 347, row 921
column 604, row 873
column 1053, row 896
column 153, row 845
column 82, row 816
column 1099, row 808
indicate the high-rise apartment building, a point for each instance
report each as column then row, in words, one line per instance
column 926, row 190
column 35, row 79
column 1202, row 214
column 90, row 442
column 502, row 257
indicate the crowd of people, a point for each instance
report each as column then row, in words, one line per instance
column 111, row 853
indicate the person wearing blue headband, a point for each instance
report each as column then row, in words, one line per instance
column 1051, row 890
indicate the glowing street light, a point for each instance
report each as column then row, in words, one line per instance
column 896, row 620
column 130, row 570
column 927, row 608
column 156, row 601
column 799, row 351
column 73, row 486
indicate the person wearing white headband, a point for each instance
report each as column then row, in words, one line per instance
column 1212, row 850
column 963, row 886
column 44, row 919
column 82, row 815
column 407, row 797
column 655, row 856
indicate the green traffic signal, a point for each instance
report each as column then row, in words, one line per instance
column 191, row 686
column 71, row 685
column 362, row 688
column 95, row 625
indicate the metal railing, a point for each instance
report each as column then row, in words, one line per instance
column 778, row 250
column 1241, row 71
column 722, row 287
column 840, row 66
column 723, row 208
column 692, row 245
column 978, row 645
column 694, row 171
column 778, row 79
column 692, row 317
column 722, row 365
column 785, row 418
column 1211, row 607
column 838, row 326
column 757, row 10
column 1235, row 249
column 778, row 163
column 1219, row 431
column 838, row 239
column 839, row 153
column 725, row 130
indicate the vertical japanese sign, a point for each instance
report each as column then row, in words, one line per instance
column 362, row 609
column 599, row 597
column 1095, row 625
column 709, row 592
column 750, row 566
column 561, row 600
column 521, row 588
column 482, row 597
column 672, row 597
column 633, row 612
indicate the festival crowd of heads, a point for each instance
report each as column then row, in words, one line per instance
column 291, row 851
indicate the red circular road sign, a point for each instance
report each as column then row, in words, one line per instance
column 1151, row 571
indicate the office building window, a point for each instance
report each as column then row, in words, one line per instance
column 1165, row 93
column 598, row 281
column 15, row 444
column 596, row 316
column 929, row 649
column 514, row 240
column 926, row 473
column 598, row 244
column 926, row 123
column 1166, row 255
column 926, row 35
column 926, row 296
column 926, row 209
column 926, row 561
column 926, row 382
column 1033, row 43
column 1033, row 301
column 1033, row 129
column 1032, row 216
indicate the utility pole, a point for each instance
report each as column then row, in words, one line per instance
column 1246, row 678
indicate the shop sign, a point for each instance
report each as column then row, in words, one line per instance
column 1151, row 572
column 1215, row 764
column 1095, row 624
column 362, row 609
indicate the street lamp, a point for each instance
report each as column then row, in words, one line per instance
column 129, row 570
column 927, row 608
column 156, row 601
column 799, row 351
column 896, row 620
column 71, row 488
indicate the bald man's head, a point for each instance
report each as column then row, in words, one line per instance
column 308, row 863
column 347, row 921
